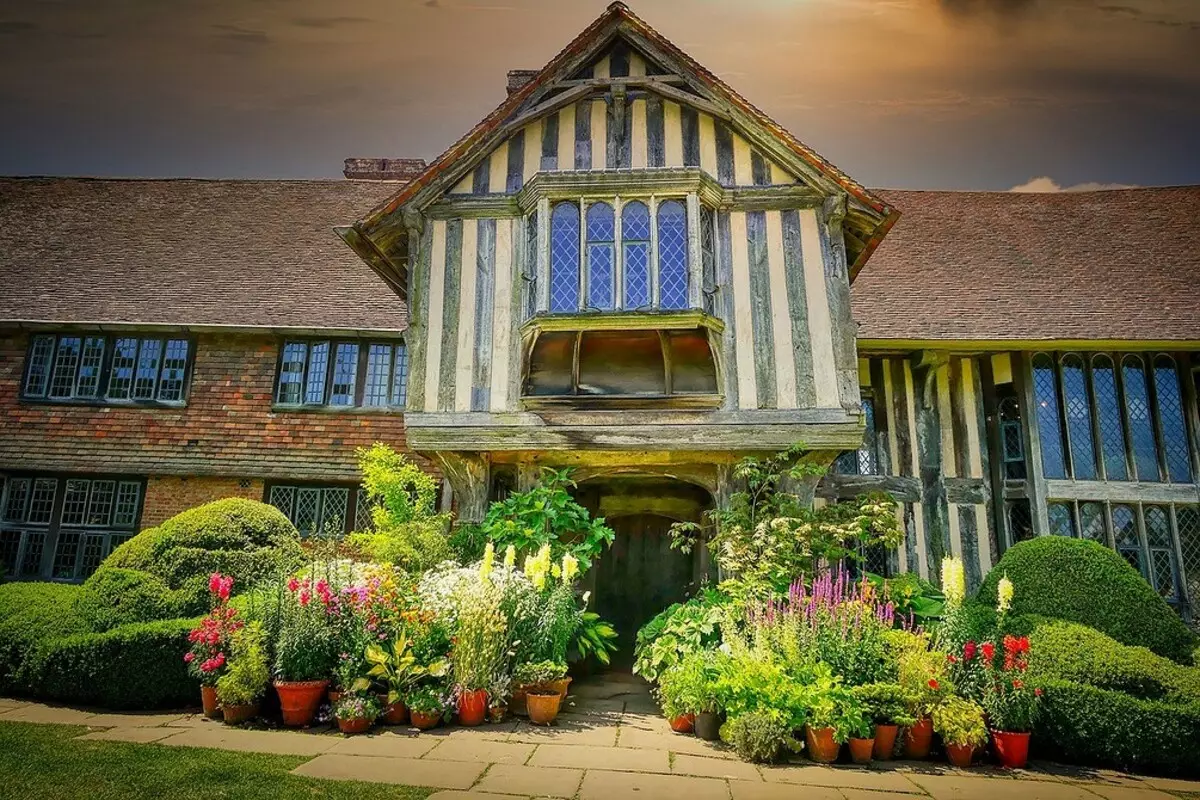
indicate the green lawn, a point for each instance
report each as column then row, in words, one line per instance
column 44, row 761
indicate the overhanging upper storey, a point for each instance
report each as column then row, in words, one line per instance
column 619, row 97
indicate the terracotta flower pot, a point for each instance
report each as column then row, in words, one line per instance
column 472, row 707
column 236, row 715
column 424, row 720
column 708, row 726
column 918, row 739
column 960, row 755
column 683, row 723
column 861, row 750
column 560, row 686
column 496, row 713
column 208, row 699
column 516, row 703
column 395, row 713
column 1012, row 749
column 821, row 746
column 298, row 700
column 885, row 741
column 354, row 725
column 543, row 708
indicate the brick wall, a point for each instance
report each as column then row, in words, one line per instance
column 227, row 428
column 166, row 496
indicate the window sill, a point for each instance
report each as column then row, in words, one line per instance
column 623, row 320
column 281, row 408
column 585, row 402
column 102, row 403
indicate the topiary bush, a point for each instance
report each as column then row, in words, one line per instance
column 31, row 613
column 243, row 538
column 114, row 596
column 129, row 667
column 1088, row 583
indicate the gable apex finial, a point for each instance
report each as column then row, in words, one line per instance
column 617, row 6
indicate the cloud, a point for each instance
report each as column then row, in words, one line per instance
column 237, row 33
column 1046, row 184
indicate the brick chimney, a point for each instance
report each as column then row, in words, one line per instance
column 383, row 169
column 519, row 77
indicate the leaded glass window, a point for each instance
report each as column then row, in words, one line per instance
column 708, row 257
column 564, row 257
column 531, row 259
column 170, row 386
column 319, row 510
column 291, row 372
column 66, row 362
column 345, row 371
column 37, row 372
column 601, row 256
column 1012, row 439
column 1125, row 535
column 1020, row 521
column 41, row 504
column 16, row 502
column 1162, row 551
column 91, row 364
column 1170, row 416
column 1187, row 519
column 145, row 379
column 1137, row 412
column 400, row 376
column 1060, row 519
column 635, row 243
column 1078, row 409
column 35, row 545
column 1091, row 523
column 379, row 374
column 1108, row 418
column 74, row 510
column 864, row 460
column 120, row 381
column 127, row 504
column 672, row 255
column 1045, row 387
column 318, row 368
column 342, row 374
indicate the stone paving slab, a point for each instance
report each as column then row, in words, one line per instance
column 674, row 742
column 838, row 777
column 714, row 768
column 497, row 732
column 391, row 745
column 136, row 735
column 50, row 715
column 131, row 720
column 748, row 790
column 1173, row 784
column 567, row 733
column 607, row 758
column 483, row 751
column 451, row 794
column 603, row 785
column 969, row 787
column 287, row 743
column 868, row 794
column 405, row 771
column 530, row 781
column 1111, row 792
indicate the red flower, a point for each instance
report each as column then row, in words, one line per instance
column 305, row 597
column 293, row 585
column 969, row 651
column 1037, row 692
column 189, row 658
column 933, row 684
column 214, row 582
column 952, row 659
column 1018, row 684
column 989, row 651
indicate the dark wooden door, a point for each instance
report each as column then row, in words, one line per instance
column 638, row 577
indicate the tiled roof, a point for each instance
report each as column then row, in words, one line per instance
column 1121, row 264
column 189, row 252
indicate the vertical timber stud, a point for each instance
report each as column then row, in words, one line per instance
column 469, row 477
column 837, row 287
column 420, row 242
column 694, row 258
column 542, row 256
column 925, row 365
column 1035, row 476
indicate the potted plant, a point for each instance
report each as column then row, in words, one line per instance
column 480, row 645
column 887, row 705
column 534, row 674
column 860, row 732
column 833, row 714
column 304, row 654
column 210, row 642
column 543, row 703
column 683, row 692
column 498, row 697
column 356, row 712
column 245, row 679
column 1011, row 704
column 396, row 667
column 923, row 675
column 426, row 707
column 960, row 724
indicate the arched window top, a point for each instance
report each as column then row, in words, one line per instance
column 635, row 222
column 1164, row 361
column 601, row 260
column 1043, row 361
column 1073, row 360
column 1132, row 362
column 564, row 257
column 672, row 255
column 1102, row 361
column 600, row 223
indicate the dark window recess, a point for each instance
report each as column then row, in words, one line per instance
column 628, row 364
column 322, row 510
column 71, row 368
column 1020, row 521
column 864, row 460
column 1012, row 438
column 63, row 527
column 342, row 374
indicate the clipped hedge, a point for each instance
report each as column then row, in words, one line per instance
column 131, row 667
column 1068, row 651
column 114, row 596
column 1088, row 583
column 1088, row 725
column 31, row 613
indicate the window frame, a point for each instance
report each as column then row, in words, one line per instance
column 52, row 530
column 354, row 491
column 102, row 396
column 396, row 396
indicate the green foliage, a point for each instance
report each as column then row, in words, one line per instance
column 427, row 700
column 547, row 514
column 242, row 538
column 680, row 629
column 407, row 532
column 747, row 683
column 1088, row 725
column 594, row 638
column 915, row 597
column 1067, row 651
column 886, row 703
column 114, row 596
column 246, row 675
column 922, row 671
column 534, row 673
column 757, row 736
column 765, row 537
column 558, row 618
column 481, row 637
column 960, row 722
column 30, row 614
column 133, row 666
column 1084, row 582
column 352, row 705
column 832, row 705
column 305, row 649
column 396, row 667
column 467, row 542
column 689, row 687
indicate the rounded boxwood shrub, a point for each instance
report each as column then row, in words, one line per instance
column 129, row 667
column 31, row 613
column 1088, row 583
column 242, row 538
column 115, row 596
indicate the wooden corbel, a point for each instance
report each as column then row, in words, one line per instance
column 925, row 365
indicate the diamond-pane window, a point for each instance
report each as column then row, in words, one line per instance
column 37, row 376
column 145, row 380
column 124, row 361
column 601, row 261
column 1187, row 518
column 41, row 504
column 318, row 366
column 635, row 244
column 333, row 511
column 1060, row 519
column 564, row 257
column 74, row 510
column 16, row 501
column 1125, row 535
column 400, row 376
column 88, row 382
column 708, row 257
column 284, row 498
column 66, row 361
column 308, row 511
column 1045, row 388
column 1020, row 521
column 1012, row 439
column 1170, row 417
column 170, row 388
column 363, row 519
column 1141, row 426
column 1091, row 523
column 379, row 375
column 1162, row 552
column 531, row 266
column 1079, row 418
column 1108, row 418
column 672, row 255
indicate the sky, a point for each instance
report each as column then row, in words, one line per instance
column 1045, row 95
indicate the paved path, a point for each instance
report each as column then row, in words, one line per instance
column 610, row 743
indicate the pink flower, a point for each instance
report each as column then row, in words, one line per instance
column 225, row 586
column 968, row 651
column 189, row 658
column 293, row 585
column 305, row 597
column 214, row 582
